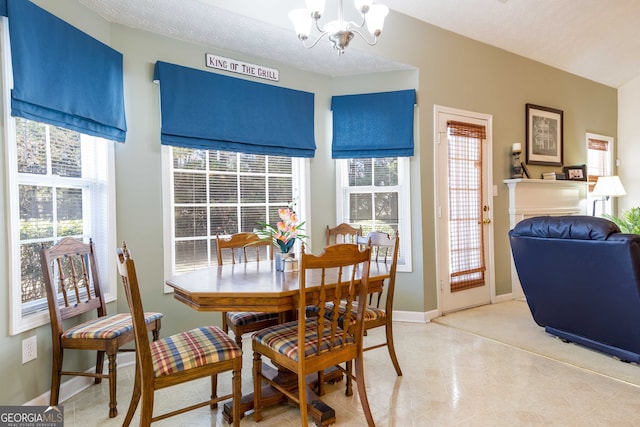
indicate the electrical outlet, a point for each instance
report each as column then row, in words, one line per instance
column 29, row 349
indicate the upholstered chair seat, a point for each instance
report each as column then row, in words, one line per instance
column 244, row 318
column 106, row 328
column 191, row 349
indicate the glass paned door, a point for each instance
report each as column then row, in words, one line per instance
column 464, row 228
column 466, row 231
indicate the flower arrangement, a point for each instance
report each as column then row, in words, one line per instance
column 285, row 233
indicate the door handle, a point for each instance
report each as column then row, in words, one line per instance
column 486, row 221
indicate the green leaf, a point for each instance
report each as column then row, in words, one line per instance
column 628, row 221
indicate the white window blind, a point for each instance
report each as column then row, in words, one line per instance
column 213, row 193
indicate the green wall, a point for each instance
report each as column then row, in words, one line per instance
column 450, row 71
column 457, row 72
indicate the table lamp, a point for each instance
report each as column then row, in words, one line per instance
column 607, row 186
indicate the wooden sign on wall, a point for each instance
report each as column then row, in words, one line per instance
column 228, row 64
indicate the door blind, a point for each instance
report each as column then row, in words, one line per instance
column 466, row 238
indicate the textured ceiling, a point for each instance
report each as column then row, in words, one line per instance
column 595, row 39
column 208, row 23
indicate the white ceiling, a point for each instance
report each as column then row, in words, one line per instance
column 596, row 39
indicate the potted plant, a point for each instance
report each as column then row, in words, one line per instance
column 628, row 221
column 283, row 235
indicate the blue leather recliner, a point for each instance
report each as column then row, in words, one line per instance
column 581, row 278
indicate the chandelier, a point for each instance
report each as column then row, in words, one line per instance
column 339, row 32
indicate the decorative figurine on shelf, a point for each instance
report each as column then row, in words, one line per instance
column 516, row 165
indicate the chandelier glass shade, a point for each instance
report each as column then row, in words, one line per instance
column 340, row 31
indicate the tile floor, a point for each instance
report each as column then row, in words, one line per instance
column 451, row 378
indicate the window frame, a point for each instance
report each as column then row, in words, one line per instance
column 98, row 195
column 96, row 210
column 300, row 190
column 343, row 190
column 606, row 205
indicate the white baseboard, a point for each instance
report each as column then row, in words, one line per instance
column 76, row 384
column 503, row 298
column 428, row 316
column 415, row 316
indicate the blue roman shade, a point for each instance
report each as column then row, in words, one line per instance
column 62, row 76
column 210, row 111
column 373, row 125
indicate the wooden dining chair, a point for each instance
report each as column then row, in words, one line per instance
column 310, row 345
column 342, row 233
column 73, row 289
column 201, row 352
column 384, row 249
column 244, row 247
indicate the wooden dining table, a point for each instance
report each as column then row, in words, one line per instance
column 257, row 286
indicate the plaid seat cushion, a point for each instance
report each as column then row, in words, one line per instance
column 106, row 327
column 197, row 347
column 283, row 338
column 370, row 313
column 241, row 318
column 373, row 313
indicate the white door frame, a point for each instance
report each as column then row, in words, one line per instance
column 441, row 231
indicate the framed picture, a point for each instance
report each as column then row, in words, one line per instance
column 544, row 135
column 576, row 173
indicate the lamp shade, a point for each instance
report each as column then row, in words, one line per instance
column 302, row 22
column 375, row 18
column 608, row 186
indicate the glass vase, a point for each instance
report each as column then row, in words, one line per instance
column 281, row 260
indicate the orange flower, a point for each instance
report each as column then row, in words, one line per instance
column 285, row 232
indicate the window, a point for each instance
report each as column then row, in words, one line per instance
column 210, row 192
column 374, row 193
column 60, row 182
column 60, row 185
column 599, row 163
